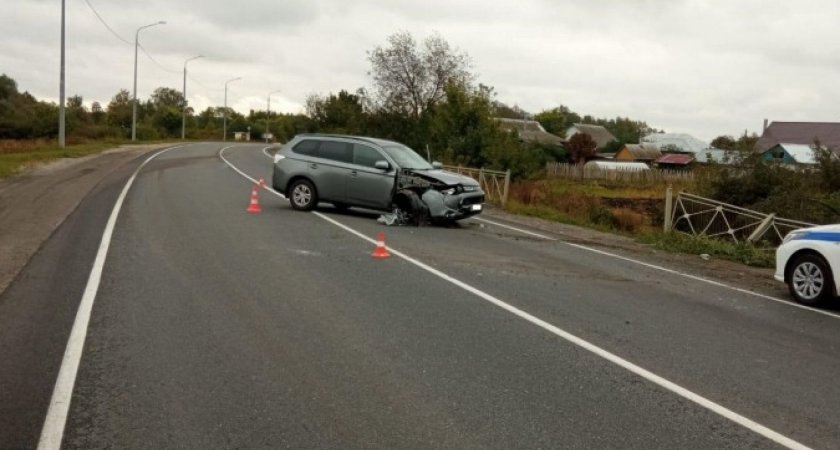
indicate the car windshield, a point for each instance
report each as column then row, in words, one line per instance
column 406, row 158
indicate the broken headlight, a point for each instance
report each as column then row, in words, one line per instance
column 449, row 191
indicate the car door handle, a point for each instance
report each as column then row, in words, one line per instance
column 353, row 173
column 313, row 166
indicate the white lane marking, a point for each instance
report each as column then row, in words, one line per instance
column 670, row 271
column 254, row 180
column 265, row 152
column 611, row 357
column 531, row 233
column 53, row 430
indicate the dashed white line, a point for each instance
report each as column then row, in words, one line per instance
column 53, row 429
column 611, row 357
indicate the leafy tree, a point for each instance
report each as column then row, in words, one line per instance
column 408, row 80
column 119, row 110
column 724, row 143
column 746, row 143
column 581, row 147
column 342, row 113
column 557, row 120
column 164, row 97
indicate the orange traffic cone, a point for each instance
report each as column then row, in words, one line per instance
column 262, row 183
column 254, row 207
column 381, row 251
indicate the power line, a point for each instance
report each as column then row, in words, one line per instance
column 145, row 52
column 148, row 55
column 106, row 23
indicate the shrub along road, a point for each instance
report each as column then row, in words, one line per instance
column 213, row 328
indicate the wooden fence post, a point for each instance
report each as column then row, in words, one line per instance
column 507, row 188
column 669, row 207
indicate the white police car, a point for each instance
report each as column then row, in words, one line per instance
column 809, row 262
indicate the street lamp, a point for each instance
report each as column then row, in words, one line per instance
column 268, row 114
column 224, row 120
column 134, row 98
column 61, row 85
column 184, row 109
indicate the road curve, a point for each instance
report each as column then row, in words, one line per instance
column 213, row 328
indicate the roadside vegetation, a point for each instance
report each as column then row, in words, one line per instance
column 16, row 155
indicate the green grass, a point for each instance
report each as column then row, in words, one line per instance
column 549, row 213
column 743, row 253
column 13, row 162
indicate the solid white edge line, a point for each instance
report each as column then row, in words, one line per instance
column 530, row 233
column 586, row 345
column 56, row 419
column 255, row 181
column 671, row 271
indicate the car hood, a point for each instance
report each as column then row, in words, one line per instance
column 447, row 177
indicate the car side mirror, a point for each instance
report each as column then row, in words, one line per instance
column 382, row 165
column 437, row 165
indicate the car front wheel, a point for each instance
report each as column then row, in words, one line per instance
column 811, row 280
column 303, row 196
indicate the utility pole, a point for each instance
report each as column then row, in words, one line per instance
column 268, row 114
column 184, row 109
column 61, row 139
column 224, row 113
column 134, row 97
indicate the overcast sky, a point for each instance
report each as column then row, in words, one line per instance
column 700, row 67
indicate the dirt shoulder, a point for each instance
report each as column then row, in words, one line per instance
column 731, row 273
column 35, row 202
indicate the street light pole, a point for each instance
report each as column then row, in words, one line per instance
column 224, row 113
column 184, row 109
column 268, row 114
column 61, row 86
column 134, row 97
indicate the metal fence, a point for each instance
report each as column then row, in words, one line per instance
column 582, row 172
column 496, row 184
column 699, row 216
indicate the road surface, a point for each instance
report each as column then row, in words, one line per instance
column 214, row 328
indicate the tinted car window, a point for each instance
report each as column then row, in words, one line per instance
column 337, row 151
column 307, row 147
column 364, row 155
column 407, row 158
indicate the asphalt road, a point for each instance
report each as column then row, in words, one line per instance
column 213, row 328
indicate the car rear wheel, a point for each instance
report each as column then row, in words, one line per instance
column 811, row 281
column 303, row 196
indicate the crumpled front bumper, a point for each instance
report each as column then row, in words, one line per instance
column 455, row 206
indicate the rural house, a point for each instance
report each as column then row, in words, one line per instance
column 676, row 142
column 599, row 134
column 791, row 154
column 645, row 153
column 529, row 131
column 803, row 133
column 674, row 161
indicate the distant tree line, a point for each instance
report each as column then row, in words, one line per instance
column 422, row 93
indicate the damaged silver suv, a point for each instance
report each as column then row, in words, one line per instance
column 372, row 173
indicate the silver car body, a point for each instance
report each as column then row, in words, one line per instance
column 343, row 171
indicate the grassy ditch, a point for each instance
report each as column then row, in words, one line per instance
column 742, row 252
column 16, row 155
column 633, row 211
